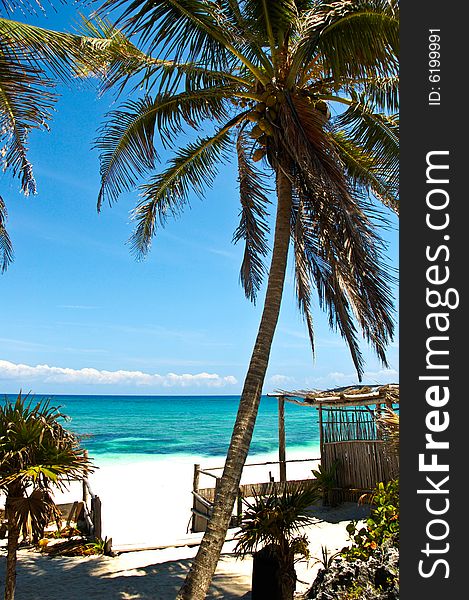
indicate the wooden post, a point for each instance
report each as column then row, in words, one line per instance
column 281, row 439
column 321, row 434
column 195, row 488
column 84, row 486
column 96, row 508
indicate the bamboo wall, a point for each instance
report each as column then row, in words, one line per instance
column 362, row 463
column 351, row 438
column 345, row 424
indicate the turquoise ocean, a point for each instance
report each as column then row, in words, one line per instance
column 136, row 428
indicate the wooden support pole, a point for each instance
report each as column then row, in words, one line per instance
column 321, row 434
column 281, row 439
column 97, row 525
column 84, row 486
column 195, row 489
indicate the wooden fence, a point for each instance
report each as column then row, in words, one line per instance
column 203, row 498
column 361, row 465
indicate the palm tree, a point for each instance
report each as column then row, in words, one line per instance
column 260, row 78
column 36, row 455
column 273, row 523
column 32, row 60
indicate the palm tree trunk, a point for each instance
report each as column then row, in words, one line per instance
column 200, row 576
column 12, row 547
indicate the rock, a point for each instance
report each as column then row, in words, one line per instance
column 374, row 579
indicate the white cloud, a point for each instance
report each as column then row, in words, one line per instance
column 336, row 378
column 280, row 379
column 46, row 374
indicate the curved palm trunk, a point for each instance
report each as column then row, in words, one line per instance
column 200, row 576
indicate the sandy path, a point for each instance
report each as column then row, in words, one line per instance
column 158, row 574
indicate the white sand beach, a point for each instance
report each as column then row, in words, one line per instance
column 148, row 504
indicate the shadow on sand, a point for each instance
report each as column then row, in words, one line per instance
column 42, row 577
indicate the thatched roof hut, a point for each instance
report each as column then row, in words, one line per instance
column 349, row 435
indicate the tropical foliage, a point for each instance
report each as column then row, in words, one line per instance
column 382, row 526
column 37, row 454
column 305, row 91
column 32, row 61
column 326, row 480
column 267, row 78
column 274, row 522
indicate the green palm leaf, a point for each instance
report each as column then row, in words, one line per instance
column 357, row 39
column 378, row 135
column 6, row 248
column 365, row 171
column 126, row 140
column 186, row 27
column 25, row 103
column 192, row 169
column 383, row 93
column 271, row 20
column 253, row 225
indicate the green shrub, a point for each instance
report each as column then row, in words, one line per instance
column 382, row 526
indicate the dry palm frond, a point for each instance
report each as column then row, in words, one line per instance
column 388, row 425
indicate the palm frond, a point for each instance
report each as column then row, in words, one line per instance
column 6, row 248
column 365, row 171
column 126, row 139
column 253, row 225
column 361, row 39
column 32, row 513
column 29, row 57
column 382, row 93
column 378, row 135
column 321, row 271
column 46, row 49
column 185, row 28
column 303, row 271
column 343, row 250
column 23, row 6
column 355, row 39
column 126, row 145
column 25, row 103
column 309, row 149
column 192, row 169
column 352, row 280
column 271, row 20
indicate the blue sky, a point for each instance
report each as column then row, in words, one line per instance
column 80, row 315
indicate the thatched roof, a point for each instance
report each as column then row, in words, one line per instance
column 355, row 395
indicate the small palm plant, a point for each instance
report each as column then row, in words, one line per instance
column 326, row 480
column 36, row 454
column 271, row 529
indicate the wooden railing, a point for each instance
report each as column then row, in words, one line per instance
column 203, row 498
